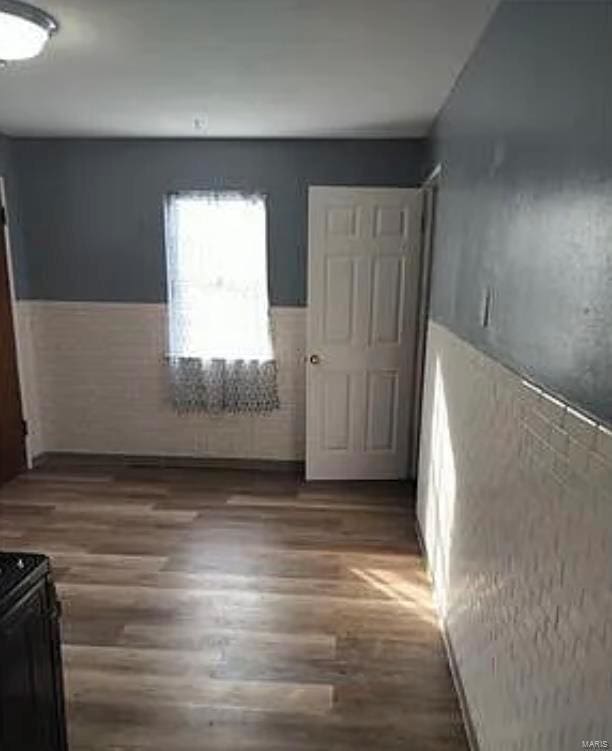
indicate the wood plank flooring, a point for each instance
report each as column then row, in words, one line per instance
column 238, row 611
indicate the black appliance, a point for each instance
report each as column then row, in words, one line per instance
column 32, row 716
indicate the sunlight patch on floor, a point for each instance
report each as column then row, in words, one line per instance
column 410, row 596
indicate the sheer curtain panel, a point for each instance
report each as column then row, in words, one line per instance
column 220, row 354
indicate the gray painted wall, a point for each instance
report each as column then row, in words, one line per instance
column 4, row 153
column 7, row 171
column 525, row 204
column 91, row 210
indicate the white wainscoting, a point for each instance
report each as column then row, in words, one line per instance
column 95, row 382
column 515, row 507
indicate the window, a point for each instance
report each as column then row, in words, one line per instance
column 217, row 277
column 219, row 347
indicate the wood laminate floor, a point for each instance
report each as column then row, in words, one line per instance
column 238, row 611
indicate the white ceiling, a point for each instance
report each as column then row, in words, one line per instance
column 277, row 68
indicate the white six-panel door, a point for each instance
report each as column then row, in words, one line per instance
column 363, row 279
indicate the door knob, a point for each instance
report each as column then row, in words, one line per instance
column 315, row 360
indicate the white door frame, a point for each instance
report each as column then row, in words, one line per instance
column 430, row 192
column 17, row 328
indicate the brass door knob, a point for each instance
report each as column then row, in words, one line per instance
column 315, row 360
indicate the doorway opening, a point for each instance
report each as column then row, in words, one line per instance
column 369, row 269
column 13, row 453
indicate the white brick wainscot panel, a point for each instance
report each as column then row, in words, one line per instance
column 515, row 507
column 101, row 386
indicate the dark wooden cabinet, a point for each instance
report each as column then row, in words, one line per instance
column 31, row 683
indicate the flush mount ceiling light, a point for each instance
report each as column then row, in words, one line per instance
column 24, row 30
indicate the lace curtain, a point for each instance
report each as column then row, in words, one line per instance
column 220, row 350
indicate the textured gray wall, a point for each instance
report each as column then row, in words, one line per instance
column 525, row 205
column 91, row 211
